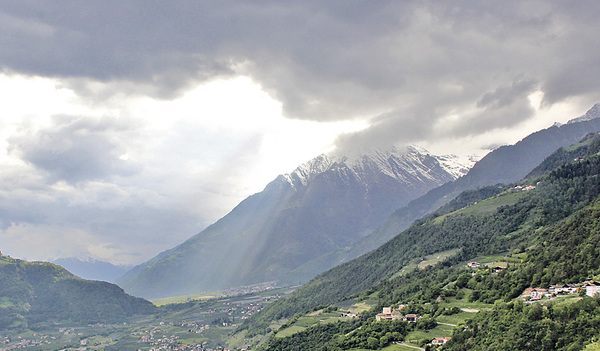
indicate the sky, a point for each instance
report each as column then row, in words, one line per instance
column 126, row 127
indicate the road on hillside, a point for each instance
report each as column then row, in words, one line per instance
column 414, row 347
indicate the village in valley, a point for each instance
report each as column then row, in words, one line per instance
column 203, row 324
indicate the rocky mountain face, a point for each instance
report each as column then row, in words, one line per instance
column 325, row 205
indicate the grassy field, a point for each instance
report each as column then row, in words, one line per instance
column 309, row 320
column 428, row 260
column 181, row 299
column 440, row 331
column 290, row 331
column 465, row 304
column 353, row 305
column 438, row 257
column 455, row 319
column 486, row 206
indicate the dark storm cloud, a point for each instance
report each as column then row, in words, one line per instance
column 75, row 149
column 401, row 63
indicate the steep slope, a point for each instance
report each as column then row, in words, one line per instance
column 562, row 252
column 324, row 205
column 567, row 252
column 33, row 292
column 504, row 165
column 483, row 221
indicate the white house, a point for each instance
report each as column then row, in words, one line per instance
column 592, row 289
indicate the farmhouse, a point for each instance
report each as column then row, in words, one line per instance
column 389, row 314
column 440, row 341
column 349, row 314
column 592, row 288
column 538, row 293
column 473, row 264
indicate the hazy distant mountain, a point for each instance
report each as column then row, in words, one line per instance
column 92, row 269
column 33, row 292
column 325, row 205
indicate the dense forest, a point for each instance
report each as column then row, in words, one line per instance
column 519, row 326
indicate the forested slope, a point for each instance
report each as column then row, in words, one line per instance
column 32, row 292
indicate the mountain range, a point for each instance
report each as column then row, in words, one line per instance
column 503, row 165
column 325, row 205
column 536, row 202
column 546, row 224
column 333, row 209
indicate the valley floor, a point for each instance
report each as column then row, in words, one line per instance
column 201, row 324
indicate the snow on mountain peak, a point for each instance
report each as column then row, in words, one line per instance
column 592, row 113
column 405, row 165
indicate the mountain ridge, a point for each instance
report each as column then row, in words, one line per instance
column 484, row 221
column 324, row 205
column 505, row 164
column 32, row 292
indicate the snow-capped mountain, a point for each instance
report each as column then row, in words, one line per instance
column 407, row 166
column 591, row 114
column 324, row 205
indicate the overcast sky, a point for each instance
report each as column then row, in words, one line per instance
column 128, row 126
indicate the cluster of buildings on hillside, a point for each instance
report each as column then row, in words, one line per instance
column 440, row 341
column 349, row 314
column 388, row 313
column 496, row 269
column 250, row 289
column 391, row 314
column 22, row 343
column 591, row 288
column 522, row 188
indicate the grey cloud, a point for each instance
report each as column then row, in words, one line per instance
column 507, row 95
column 76, row 149
column 503, row 107
column 133, row 227
column 408, row 125
column 323, row 60
column 403, row 65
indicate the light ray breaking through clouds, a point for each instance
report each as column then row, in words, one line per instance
column 129, row 126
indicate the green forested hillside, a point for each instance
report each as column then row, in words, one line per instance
column 519, row 326
column 528, row 221
column 568, row 252
column 586, row 147
column 33, row 292
column 506, row 164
